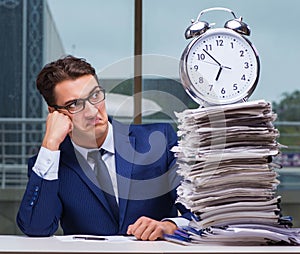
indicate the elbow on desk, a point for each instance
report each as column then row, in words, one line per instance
column 35, row 230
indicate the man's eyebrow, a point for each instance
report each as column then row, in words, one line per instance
column 67, row 103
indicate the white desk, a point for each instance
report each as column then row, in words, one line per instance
column 22, row 244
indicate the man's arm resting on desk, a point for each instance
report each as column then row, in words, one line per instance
column 40, row 208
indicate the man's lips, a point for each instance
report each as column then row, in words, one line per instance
column 94, row 121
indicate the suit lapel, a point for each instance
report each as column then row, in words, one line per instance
column 124, row 156
column 76, row 162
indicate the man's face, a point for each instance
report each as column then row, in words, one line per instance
column 90, row 125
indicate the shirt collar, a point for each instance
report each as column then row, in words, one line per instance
column 107, row 145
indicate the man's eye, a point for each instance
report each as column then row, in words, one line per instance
column 96, row 94
column 74, row 104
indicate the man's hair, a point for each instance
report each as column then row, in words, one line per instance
column 66, row 68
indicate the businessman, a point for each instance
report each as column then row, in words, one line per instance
column 94, row 175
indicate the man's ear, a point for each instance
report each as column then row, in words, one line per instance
column 51, row 109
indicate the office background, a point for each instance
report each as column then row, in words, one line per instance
column 34, row 32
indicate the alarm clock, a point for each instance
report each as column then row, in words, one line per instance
column 220, row 65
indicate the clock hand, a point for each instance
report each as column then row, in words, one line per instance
column 226, row 67
column 211, row 57
column 221, row 66
column 219, row 72
column 210, row 63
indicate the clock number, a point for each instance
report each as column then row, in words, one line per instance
column 201, row 56
column 235, row 87
column 232, row 45
column 241, row 53
column 223, row 91
column 246, row 65
column 208, row 47
column 243, row 77
column 196, row 67
column 220, row 43
column 201, row 80
column 210, row 87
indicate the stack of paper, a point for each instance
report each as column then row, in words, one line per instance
column 225, row 158
column 242, row 234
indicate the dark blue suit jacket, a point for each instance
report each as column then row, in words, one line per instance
column 147, row 179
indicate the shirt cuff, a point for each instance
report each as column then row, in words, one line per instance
column 179, row 221
column 46, row 165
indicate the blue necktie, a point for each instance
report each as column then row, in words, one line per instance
column 104, row 180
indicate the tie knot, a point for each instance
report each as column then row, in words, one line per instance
column 102, row 151
column 94, row 155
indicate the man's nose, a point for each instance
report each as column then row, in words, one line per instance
column 90, row 109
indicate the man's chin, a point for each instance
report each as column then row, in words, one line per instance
column 88, row 140
column 90, row 134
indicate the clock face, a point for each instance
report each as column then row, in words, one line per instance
column 219, row 67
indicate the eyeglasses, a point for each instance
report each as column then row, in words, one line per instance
column 97, row 95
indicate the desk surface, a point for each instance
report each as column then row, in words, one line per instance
column 22, row 244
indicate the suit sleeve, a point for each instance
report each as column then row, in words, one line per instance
column 40, row 208
column 174, row 178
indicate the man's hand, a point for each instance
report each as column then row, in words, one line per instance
column 58, row 126
column 148, row 229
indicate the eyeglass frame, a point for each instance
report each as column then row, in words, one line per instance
column 84, row 100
